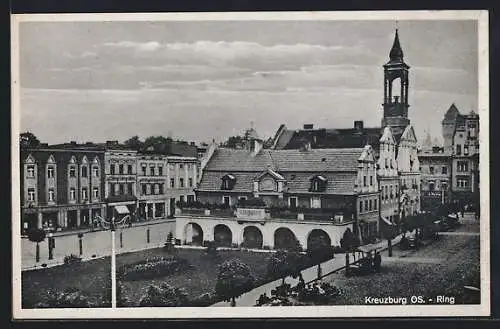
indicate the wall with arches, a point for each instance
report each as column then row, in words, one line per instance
column 301, row 230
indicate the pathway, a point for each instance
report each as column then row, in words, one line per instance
column 309, row 274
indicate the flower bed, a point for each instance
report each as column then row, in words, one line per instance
column 153, row 267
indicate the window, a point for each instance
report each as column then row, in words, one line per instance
column 466, row 149
column 96, row 171
column 95, row 192
column 462, row 166
column 315, row 202
column 431, row 170
column 84, row 193
column 156, row 189
column 370, row 204
column 160, row 188
column 51, row 195
column 122, row 189
column 459, row 149
column 130, row 188
column 366, row 205
column 31, row 194
column 181, row 166
column 386, row 163
column 112, row 169
column 172, row 182
column 432, row 186
column 72, row 171
column 152, row 170
column 226, row 200
column 371, row 180
column 292, row 202
column 72, row 194
column 190, row 182
column 444, row 186
column 144, row 170
column 144, row 190
column 120, row 169
column 160, row 170
column 360, row 206
column 190, row 198
column 181, row 182
column 462, row 183
column 129, row 169
column 181, row 198
column 444, row 170
column 375, row 202
column 50, row 172
column 111, row 189
column 84, row 171
column 31, row 171
column 364, row 180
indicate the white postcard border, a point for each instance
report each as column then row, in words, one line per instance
column 361, row 311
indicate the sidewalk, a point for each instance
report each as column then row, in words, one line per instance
column 89, row 230
column 309, row 274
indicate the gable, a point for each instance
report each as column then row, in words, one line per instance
column 409, row 135
column 29, row 159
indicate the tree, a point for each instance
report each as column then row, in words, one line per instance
column 234, row 279
column 134, row 143
column 158, row 144
column 285, row 263
column 349, row 244
column 28, row 140
column 164, row 295
column 36, row 235
column 319, row 249
column 234, row 142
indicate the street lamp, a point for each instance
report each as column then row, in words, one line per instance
column 51, row 246
column 111, row 225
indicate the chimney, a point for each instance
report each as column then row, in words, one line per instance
column 192, row 143
column 308, row 126
column 358, row 125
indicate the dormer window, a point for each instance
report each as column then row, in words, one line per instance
column 228, row 182
column 318, row 183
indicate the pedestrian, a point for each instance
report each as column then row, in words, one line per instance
column 377, row 260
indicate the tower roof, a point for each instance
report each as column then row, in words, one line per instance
column 452, row 113
column 396, row 53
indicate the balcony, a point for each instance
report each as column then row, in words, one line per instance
column 242, row 213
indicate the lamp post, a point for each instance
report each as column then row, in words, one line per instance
column 51, row 246
column 111, row 225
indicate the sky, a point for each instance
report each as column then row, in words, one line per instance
column 204, row 80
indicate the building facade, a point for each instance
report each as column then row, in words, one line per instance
column 305, row 186
column 435, row 170
column 182, row 179
column 62, row 186
column 151, row 186
column 120, row 180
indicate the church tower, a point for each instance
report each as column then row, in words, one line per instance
column 396, row 90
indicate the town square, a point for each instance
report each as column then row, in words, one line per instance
column 213, row 164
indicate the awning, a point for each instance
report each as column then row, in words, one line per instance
column 388, row 222
column 122, row 210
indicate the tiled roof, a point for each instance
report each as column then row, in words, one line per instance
column 338, row 183
column 313, row 160
column 330, row 138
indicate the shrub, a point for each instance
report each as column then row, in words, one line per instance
column 153, row 267
column 204, row 300
column 211, row 248
column 121, row 299
column 68, row 298
column 404, row 244
column 72, row 259
column 234, row 279
column 164, row 295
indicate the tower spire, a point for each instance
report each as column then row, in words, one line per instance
column 396, row 53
